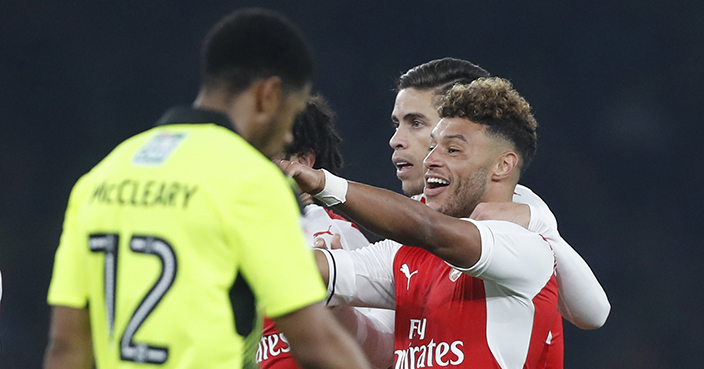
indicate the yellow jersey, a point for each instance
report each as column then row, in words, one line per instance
column 155, row 235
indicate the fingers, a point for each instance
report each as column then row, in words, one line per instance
column 319, row 243
column 336, row 242
column 306, row 199
column 284, row 164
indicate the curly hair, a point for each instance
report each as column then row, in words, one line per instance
column 314, row 130
column 493, row 102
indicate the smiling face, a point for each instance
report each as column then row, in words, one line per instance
column 414, row 116
column 459, row 166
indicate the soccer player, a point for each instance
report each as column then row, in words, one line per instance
column 484, row 293
column 157, row 233
column 316, row 144
column 583, row 301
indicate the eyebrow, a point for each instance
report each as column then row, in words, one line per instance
column 456, row 136
column 409, row 116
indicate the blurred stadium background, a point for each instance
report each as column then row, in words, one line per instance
column 615, row 85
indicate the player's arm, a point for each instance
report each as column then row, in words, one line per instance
column 318, row 341
column 582, row 300
column 361, row 278
column 399, row 218
column 69, row 339
column 509, row 211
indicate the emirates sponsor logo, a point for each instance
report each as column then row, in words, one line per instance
column 272, row 345
column 432, row 354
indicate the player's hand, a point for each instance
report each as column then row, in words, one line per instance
column 509, row 211
column 335, row 242
column 305, row 199
column 309, row 180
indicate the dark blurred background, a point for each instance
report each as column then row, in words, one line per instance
column 615, row 85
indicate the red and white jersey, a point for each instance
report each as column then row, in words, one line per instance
column 583, row 302
column 372, row 328
column 496, row 314
column 319, row 222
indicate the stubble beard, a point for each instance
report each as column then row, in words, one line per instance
column 468, row 193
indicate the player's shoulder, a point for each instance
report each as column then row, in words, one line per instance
column 539, row 208
column 501, row 229
column 524, row 195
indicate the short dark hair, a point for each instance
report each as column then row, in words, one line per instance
column 255, row 43
column 440, row 75
column 494, row 103
column 314, row 130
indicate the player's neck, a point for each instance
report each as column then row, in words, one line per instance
column 500, row 192
column 236, row 108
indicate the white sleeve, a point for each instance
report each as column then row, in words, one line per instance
column 363, row 277
column 512, row 257
column 317, row 223
column 582, row 300
column 373, row 329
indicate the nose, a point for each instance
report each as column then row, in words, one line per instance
column 432, row 159
column 398, row 141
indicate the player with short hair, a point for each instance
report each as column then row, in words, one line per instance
column 157, row 233
column 415, row 113
column 583, row 301
column 469, row 293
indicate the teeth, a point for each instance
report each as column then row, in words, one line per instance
column 438, row 181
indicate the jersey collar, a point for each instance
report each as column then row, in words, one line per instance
column 191, row 115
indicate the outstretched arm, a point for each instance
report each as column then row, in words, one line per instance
column 397, row 217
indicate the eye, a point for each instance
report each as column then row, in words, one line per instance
column 394, row 123
column 417, row 124
column 431, row 148
column 452, row 150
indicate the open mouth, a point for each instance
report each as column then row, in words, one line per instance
column 403, row 166
column 435, row 185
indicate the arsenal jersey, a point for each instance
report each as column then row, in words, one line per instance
column 496, row 314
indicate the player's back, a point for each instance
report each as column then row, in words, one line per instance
column 159, row 216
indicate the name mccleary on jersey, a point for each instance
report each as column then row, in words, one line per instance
column 147, row 193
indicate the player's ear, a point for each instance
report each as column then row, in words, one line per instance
column 268, row 95
column 506, row 166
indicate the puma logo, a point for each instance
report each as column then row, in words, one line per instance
column 407, row 272
column 316, row 234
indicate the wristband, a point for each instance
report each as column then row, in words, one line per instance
column 335, row 191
